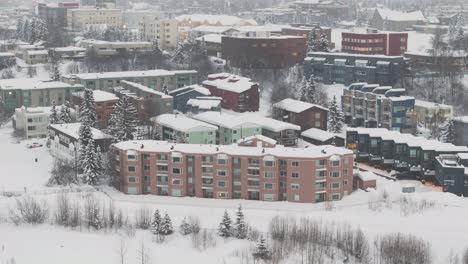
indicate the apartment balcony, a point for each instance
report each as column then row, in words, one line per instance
column 253, row 176
column 321, row 179
column 162, row 184
column 207, row 186
column 254, row 165
column 207, row 175
column 320, row 189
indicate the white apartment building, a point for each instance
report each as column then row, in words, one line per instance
column 108, row 48
column 166, row 31
column 78, row 19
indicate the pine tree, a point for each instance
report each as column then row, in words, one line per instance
column 32, row 32
column 240, row 226
column 261, row 250
column 308, row 92
column 89, row 161
column 322, row 44
column 19, row 29
column 459, row 32
column 123, row 120
column 42, row 33
column 88, row 109
column 156, row 222
column 185, row 227
column 166, row 226
column 311, row 40
column 54, row 71
column 65, row 113
column 225, row 227
column 54, row 116
column 448, row 132
column 335, row 117
column 25, row 30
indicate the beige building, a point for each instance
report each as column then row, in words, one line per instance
column 426, row 111
column 108, row 48
column 82, row 17
column 166, row 31
column 35, row 56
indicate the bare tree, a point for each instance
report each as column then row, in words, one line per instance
column 143, row 253
column 63, row 211
column 122, row 249
column 29, row 210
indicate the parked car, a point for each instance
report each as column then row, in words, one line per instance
column 34, row 145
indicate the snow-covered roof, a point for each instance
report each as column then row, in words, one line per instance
column 115, row 43
column 33, row 83
column 296, row 106
column 463, row 119
column 223, row 20
column 128, row 74
column 394, row 15
column 229, row 82
column 427, row 104
column 99, row 96
column 277, row 151
column 6, row 54
column 146, row 89
column 72, row 129
column 410, row 140
column 259, row 137
column 367, row 176
column 69, row 49
column 356, row 56
column 213, row 38
column 195, row 87
column 272, row 124
column 213, row 29
column 37, row 52
column 463, row 156
column 318, row 134
column 204, row 104
column 182, row 123
column 224, row 120
column 41, row 110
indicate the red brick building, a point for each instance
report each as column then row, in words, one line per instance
column 267, row 173
column 304, row 31
column 272, row 52
column 104, row 101
column 239, row 94
column 303, row 114
column 390, row 44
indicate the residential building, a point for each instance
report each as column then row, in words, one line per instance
column 31, row 92
column 304, row 175
column 33, row 122
column 103, row 48
column 203, row 104
column 364, row 180
column 166, row 31
column 35, row 56
column 80, row 18
column 212, row 43
column 427, row 112
column 22, row 49
column 65, row 140
column 133, row 17
column 154, row 79
column 283, row 133
column 334, row 10
column 320, row 137
column 11, row 45
column 196, row 20
column 452, row 173
column 424, row 61
column 306, row 29
column 461, row 130
column 104, row 102
column 264, row 52
column 303, row 114
column 239, row 94
column 392, row 20
column 68, row 53
column 402, row 152
column 347, row 68
column 371, row 105
column 184, row 94
column 231, row 128
column 55, row 14
column 181, row 129
column 370, row 43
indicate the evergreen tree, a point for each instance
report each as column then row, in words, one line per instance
column 448, row 132
column 25, row 31
column 89, row 161
column 19, row 29
column 156, row 222
column 54, row 71
column 261, row 250
column 335, row 117
column 54, row 116
column 32, row 31
column 308, row 92
column 225, row 227
column 65, row 113
column 166, row 226
column 123, row 120
column 311, row 40
column 240, row 226
column 322, row 44
column 88, row 109
column 185, row 227
column 42, row 33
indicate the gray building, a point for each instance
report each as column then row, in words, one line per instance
column 461, row 131
column 184, row 94
column 347, row 68
column 452, row 173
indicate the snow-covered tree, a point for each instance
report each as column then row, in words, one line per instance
column 448, row 132
column 308, row 92
column 54, row 71
column 54, row 116
column 261, row 250
column 185, row 227
column 225, row 227
column 25, row 31
column 19, row 29
column 165, row 227
column 89, row 161
column 123, row 120
column 335, row 117
column 156, row 222
column 65, row 113
column 88, row 109
column 322, row 44
column 42, row 33
column 32, row 31
column 311, row 40
column 240, row 226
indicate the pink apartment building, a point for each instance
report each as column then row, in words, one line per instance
column 253, row 169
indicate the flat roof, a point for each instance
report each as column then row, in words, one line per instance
column 272, row 124
column 224, row 120
column 99, row 96
column 318, row 134
column 128, row 74
column 428, row 104
column 33, row 83
column 72, row 129
column 230, row 82
column 296, row 106
column 182, row 123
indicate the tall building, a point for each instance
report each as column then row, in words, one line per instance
column 392, row 20
column 390, row 44
column 166, row 31
column 55, row 14
column 78, row 19
column 256, row 169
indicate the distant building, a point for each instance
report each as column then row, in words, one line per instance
column 320, row 137
column 55, row 14
column 212, row 43
column 35, row 56
column 461, row 130
column 305, row 30
column 181, row 129
column 264, row 52
column 392, row 20
column 390, row 44
column 428, row 111
column 203, row 104
column 347, row 68
column 184, row 94
column 104, row 102
column 283, row 133
column 166, row 31
column 364, row 180
column 239, row 94
column 68, row 53
column 80, row 18
column 423, row 61
column 103, row 48
column 371, row 105
column 452, row 173
column 195, row 20
column 303, row 114
column 334, row 10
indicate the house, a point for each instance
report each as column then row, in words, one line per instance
column 231, row 128
column 35, row 56
column 427, row 112
column 33, row 122
column 104, row 102
column 364, row 180
column 65, row 140
column 181, row 129
column 452, row 173
column 103, row 48
column 68, row 53
column 392, row 20
column 184, row 94
column 239, row 94
column 320, row 137
column 283, row 133
column 277, row 173
column 461, row 130
column 303, row 114
column 204, row 104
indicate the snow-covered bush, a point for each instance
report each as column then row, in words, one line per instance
column 29, row 210
column 401, row 248
column 143, row 218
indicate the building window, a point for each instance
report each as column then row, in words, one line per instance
column 295, row 175
column 334, row 197
column 268, row 186
column 222, row 173
column 335, row 185
column 269, row 163
column 176, row 159
column 146, row 167
column 237, row 171
column 176, row 170
column 345, row 172
column 176, row 192
column 317, row 115
column 177, row 182
column 237, row 195
column 268, row 197
column 295, row 197
column 295, row 186
column 321, row 173
column 146, row 156
column 223, row 195
column 221, row 183
column 269, row 174
column 132, row 179
column 222, row 161
column 335, row 163
column 237, row 183
column 295, row 164
column 335, row 174
column 162, row 157
column 283, row 163
column 189, row 169
column 236, row 160
column 131, row 157
column 190, row 180
column 317, row 124
column 283, row 174
column 131, row 168
column 207, row 159
column 345, row 182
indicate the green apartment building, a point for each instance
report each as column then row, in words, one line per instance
column 181, row 129
column 231, row 128
column 154, row 79
column 15, row 93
